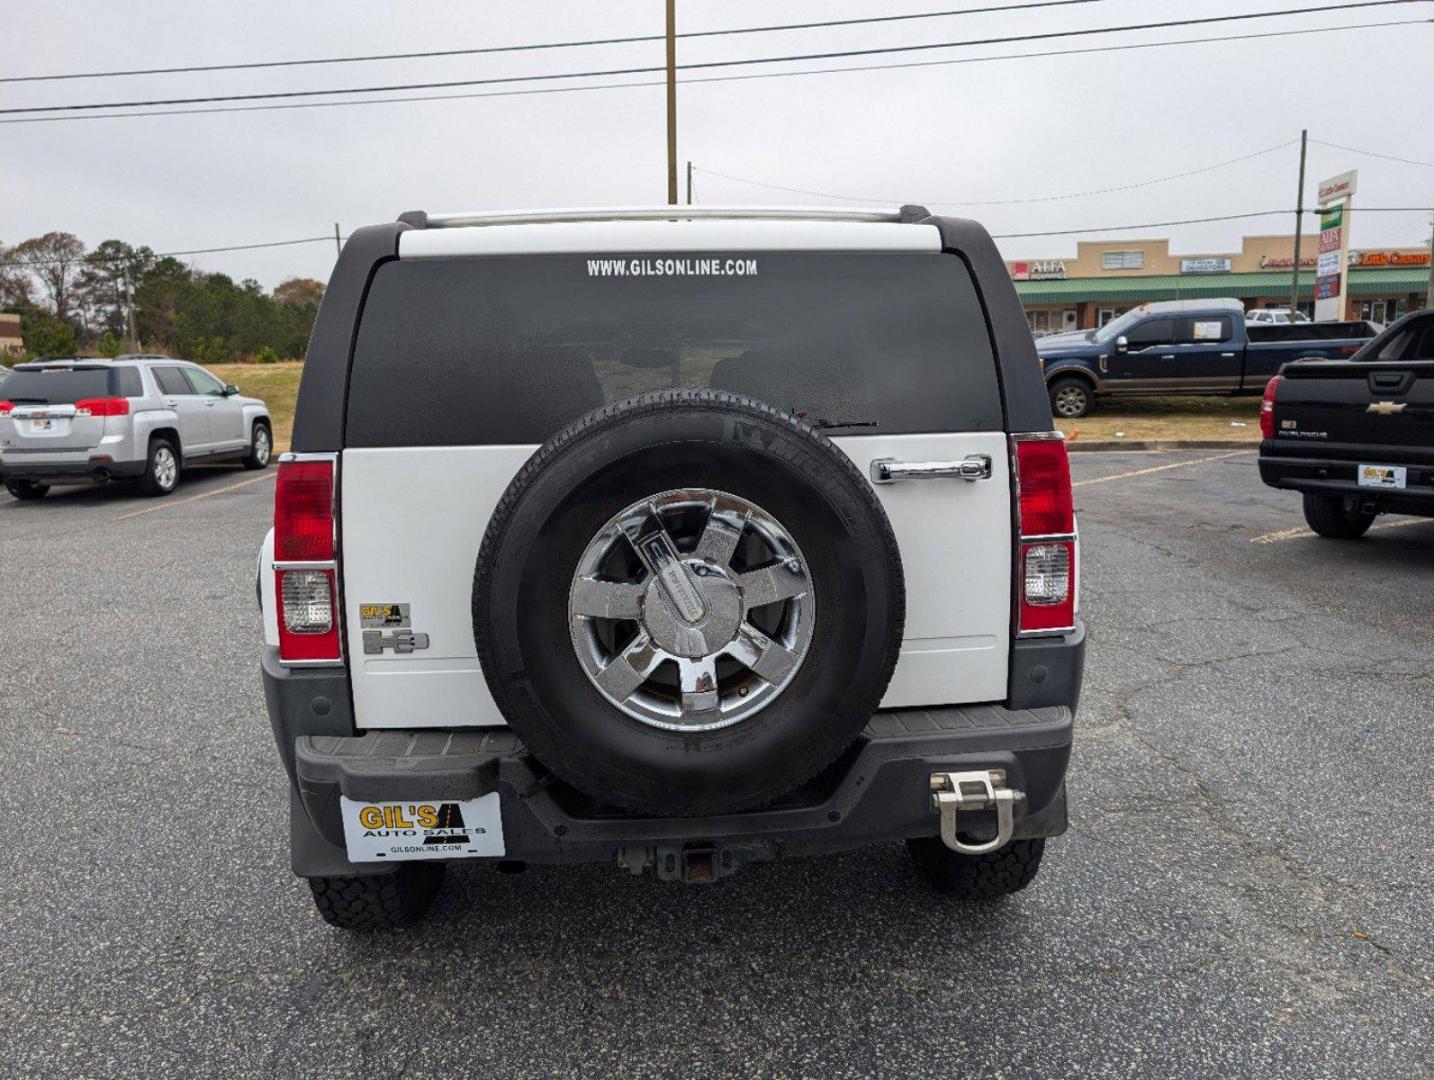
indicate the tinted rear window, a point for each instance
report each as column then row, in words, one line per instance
column 57, row 386
column 508, row 350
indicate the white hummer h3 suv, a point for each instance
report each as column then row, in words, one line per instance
column 673, row 538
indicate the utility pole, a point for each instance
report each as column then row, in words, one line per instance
column 338, row 244
column 671, row 102
column 689, row 183
column 1429, row 296
column 129, row 313
column 1299, row 226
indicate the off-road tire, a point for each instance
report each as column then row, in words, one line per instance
column 977, row 877
column 26, row 490
column 151, row 482
column 1071, row 398
column 254, row 459
column 378, row 901
column 634, row 449
column 1328, row 517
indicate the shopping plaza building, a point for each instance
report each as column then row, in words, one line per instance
column 1108, row 277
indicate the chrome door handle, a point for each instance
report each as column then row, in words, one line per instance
column 1227, row 356
column 889, row 470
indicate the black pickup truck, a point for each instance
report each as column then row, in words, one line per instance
column 1182, row 347
column 1356, row 436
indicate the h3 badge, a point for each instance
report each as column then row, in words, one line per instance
column 400, row 641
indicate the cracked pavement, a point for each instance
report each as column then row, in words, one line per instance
column 1244, row 890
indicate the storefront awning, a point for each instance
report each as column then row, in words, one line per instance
column 1389, row 283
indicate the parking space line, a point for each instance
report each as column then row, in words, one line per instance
column 1300, row 531
column 170, row 503
column 1161, row 468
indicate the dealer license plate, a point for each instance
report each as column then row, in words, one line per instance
column 432, row 829
column 1382, row 476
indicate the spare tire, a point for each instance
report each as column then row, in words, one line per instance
column 688, row 603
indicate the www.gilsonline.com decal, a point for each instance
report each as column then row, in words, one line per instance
column 672, row 268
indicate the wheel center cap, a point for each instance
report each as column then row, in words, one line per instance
column 722, row 613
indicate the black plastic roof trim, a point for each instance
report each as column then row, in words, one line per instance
column 323, row 390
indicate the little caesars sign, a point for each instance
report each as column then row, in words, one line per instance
column 1330, row 277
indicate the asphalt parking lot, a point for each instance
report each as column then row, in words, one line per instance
column 1245, row 889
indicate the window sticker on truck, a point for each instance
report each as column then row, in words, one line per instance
column 672, row 268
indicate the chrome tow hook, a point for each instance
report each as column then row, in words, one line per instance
column 953, row 792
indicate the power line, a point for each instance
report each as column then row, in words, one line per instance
column 490, row 49
column 709, row 64
column 533, row 91
column 1194, row 221
column 1146, row 225
column 28, row 263
column 1004, row 202
column 1371, row 153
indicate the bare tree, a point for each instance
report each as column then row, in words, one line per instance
column 54, row 259
column 15, row 283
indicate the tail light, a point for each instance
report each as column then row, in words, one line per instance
column 306, row 561
column 1267, row 408
column 5, row 407
column 1047, row 551
column 102, row 406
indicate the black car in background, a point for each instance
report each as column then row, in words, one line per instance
column 1356, row 436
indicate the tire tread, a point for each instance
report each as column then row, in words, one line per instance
column 1327, row 516
column 378, row 902
column 977, row 877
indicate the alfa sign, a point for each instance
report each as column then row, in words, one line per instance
column 1040, row 270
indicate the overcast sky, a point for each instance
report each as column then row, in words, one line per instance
column 948, row 136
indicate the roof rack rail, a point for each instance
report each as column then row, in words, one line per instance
column 423, row 220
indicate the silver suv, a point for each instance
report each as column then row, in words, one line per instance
column 139, row 418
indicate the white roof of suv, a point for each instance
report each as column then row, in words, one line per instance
column 666, row 229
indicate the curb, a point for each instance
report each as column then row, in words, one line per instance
column 1078, row 446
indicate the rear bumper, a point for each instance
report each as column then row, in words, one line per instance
column 1338, row 476
column 878, row 791
column 87, row 470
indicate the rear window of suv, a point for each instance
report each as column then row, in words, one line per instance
column 509, row 350
column 60, row 386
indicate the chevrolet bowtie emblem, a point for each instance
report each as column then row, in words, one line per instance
column 1386, row 408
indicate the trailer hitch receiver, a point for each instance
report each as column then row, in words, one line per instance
column 953, row 792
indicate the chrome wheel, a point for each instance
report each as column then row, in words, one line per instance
column 691, row 610
column 262, row 446
column 1071, row 401
column 166, row 468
